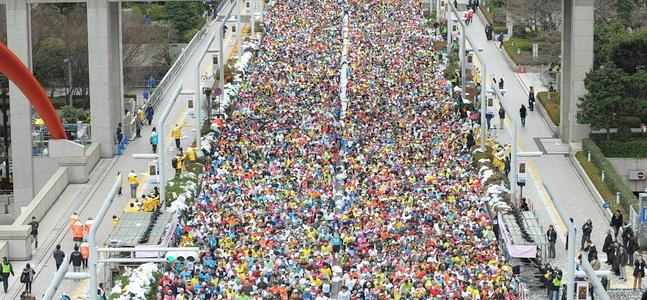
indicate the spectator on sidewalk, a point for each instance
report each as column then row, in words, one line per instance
column 27, row 277
column 616, row 223
column 632, row 247
column 607, row 247
column 7, row 269
column 154, row 139
column 500, row 39
column 627, row 233
column 522, row 114
column 501, row 117
column 587, row 229
column 120, row 135
column 76, row 258
column 620, row 262
column 551, row 236
column 531, row 99
column 138, row 127
column 149, row 114
column 59, row 256
column 501, row 83
column 639, row 272
column 34, row 230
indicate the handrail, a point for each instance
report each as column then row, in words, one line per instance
column 172, row 73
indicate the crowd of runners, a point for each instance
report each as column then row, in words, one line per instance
column 381, row 192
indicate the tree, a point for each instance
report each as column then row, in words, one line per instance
column 535, row 15
column 606, row 36
column 141, row 43
column 184, row 16
column 629, row 53
column 624, row 8
column 605, row 101
column 605, row 10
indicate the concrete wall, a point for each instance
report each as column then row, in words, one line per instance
column 16, row 235
column 624, row 165
column 79, row 161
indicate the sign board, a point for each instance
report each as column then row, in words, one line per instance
column 490, row 106
column 522, row 174
column 582, row 291
column 189, row 106
column 153, row 172
column 637, row 175
column 217, row 91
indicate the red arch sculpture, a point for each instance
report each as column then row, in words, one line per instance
column 19, row 74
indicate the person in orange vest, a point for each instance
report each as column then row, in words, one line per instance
column 73, row 218
column 77, row 231
column 88, row 225
column 85, row 252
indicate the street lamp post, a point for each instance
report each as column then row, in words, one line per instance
column 5, row 122
column 239, row 9
column 160, row 125
column 198, row 94
column 221, row 54
column 450, row 8
column 68, row 61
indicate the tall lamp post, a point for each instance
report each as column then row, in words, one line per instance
column 68, row 61
column 450, row 9
column 4, row 86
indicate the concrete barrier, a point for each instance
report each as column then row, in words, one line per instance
column 16, row 241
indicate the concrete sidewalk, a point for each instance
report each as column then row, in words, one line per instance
column 558, row 169
column 87, row 198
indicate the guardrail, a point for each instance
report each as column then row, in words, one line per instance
column 175, row 69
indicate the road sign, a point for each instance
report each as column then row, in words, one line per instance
column 637, row 175
column 605, row 205
column 217, row 91
column 643, row 216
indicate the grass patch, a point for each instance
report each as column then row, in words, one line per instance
column 551, row 105
column 520, row 51
column 595, row 175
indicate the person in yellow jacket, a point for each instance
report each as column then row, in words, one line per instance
column 191, row 153
column 177, row 163
column 134, row 182
column 177, row 134
column 115, row 221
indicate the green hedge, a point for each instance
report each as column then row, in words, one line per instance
column 552, row 106
column 634, row 148
column 612, row 179
column 596, row 177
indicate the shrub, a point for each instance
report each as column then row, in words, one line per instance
column 595, row 175
column 551, row 106
column 612, row 180
column 633, row 148
column 58, row 102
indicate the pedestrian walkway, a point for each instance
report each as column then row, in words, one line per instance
column 558, row 170
column 87, row 198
